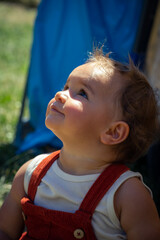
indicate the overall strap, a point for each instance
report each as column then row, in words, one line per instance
column 40, row 172
column 101, row 186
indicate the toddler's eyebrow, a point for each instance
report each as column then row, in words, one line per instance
column 88, row 86
column 84, row 83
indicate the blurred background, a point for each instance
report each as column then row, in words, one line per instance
column 16, row 27
column 30, row 30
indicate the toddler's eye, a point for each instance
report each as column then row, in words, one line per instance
column 83, row 94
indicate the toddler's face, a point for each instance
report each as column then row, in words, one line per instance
column 85, row 107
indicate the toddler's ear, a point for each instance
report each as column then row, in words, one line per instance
column 117, row 133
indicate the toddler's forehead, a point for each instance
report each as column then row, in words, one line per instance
column 106, row 77
column 101, row 70
column 93, row 71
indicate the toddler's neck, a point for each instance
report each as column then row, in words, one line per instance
column 80, row 164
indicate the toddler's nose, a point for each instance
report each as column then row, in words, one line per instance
column 61, row 96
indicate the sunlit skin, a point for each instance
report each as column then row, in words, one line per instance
column 86, row 117
column 82, row 113
column 84, row 101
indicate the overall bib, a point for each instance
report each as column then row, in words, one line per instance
column 46, row 224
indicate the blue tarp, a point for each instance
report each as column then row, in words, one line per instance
column 64, row 33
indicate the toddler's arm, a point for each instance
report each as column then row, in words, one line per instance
column 136, row 211
column 11, row 220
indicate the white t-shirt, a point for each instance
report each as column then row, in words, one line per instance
column 61, row 191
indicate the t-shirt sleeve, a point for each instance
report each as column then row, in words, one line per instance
column 31, row 167
column 113, row 189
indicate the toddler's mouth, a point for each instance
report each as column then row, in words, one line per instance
column 55, row 108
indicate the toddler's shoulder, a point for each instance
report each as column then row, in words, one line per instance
column 133, row 188
column 131, row 194
column 135, row 209
column 31, row 166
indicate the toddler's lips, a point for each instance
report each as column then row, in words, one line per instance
column 54, row 108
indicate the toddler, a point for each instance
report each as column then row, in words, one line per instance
column 106, row 116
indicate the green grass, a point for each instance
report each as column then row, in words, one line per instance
column 16, row 26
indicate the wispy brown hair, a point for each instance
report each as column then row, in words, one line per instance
column 138, row 104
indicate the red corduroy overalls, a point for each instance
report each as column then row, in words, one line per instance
column 46, row 224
